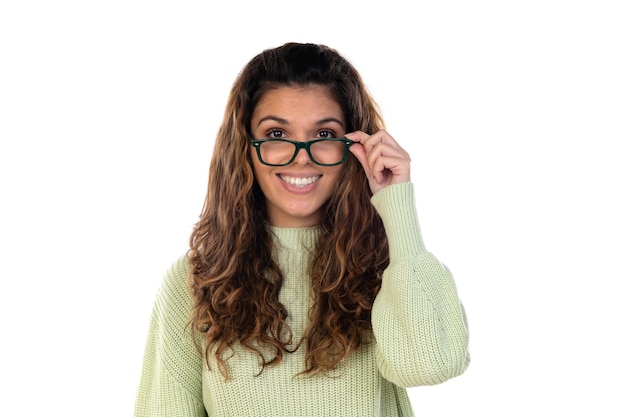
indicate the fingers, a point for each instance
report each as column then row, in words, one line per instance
column 385, row 162
column 359, row 152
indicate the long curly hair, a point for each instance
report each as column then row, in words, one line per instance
column 234, row 279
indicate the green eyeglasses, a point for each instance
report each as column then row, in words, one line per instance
column 281, row 152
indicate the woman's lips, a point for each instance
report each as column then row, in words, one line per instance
column 299, row 181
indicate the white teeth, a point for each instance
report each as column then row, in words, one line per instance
column 299, row 182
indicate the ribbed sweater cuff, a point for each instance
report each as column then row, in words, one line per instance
column 396, row 206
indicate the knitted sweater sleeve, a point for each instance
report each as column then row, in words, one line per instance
column 418, row 320
column 171, row 378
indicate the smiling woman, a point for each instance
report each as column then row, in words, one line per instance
column 296, row 190
column 309, row 288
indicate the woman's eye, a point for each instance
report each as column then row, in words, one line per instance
column 275, row 134
column 326, row 134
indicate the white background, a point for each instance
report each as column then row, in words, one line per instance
column 513, row 112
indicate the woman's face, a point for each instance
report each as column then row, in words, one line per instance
column 295, row 193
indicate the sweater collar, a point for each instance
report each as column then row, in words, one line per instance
column 296, row 237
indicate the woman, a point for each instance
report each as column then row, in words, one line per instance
column 307, row 289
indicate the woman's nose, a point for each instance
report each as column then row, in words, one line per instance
column 302, row 157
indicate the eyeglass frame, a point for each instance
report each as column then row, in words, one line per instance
column 256, row 143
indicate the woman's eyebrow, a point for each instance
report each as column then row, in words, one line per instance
column 274, row 118
column 286, row 122
column 330, row 120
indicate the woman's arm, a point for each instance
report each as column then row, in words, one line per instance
column 419, row 322
column 171, row 377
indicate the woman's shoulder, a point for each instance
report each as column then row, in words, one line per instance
column 180, row 267
column 175, row 282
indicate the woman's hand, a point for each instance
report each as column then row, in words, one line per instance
column 384, row 161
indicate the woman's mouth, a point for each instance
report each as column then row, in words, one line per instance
column 299, row 181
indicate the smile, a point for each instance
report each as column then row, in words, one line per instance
column 299, row 182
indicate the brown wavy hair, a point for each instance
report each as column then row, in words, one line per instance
column 234, row 279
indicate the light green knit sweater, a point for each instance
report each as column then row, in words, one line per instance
column 419, row 326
